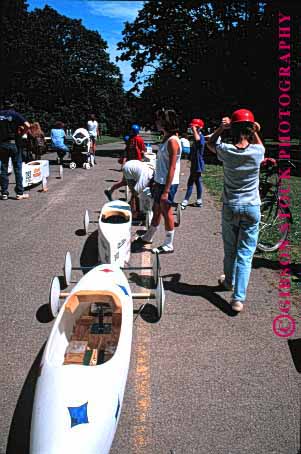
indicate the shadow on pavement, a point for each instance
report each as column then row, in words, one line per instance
column 148, row 312
column 295, row 349
column 19, row 433
column 261, row 262
column 43, row 314
column 80, row 232
column 89, row 254
column 207, row 292
column 107, row 153
column 141, row 280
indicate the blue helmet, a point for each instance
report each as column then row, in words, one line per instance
column 135, row 128
column 126, row 138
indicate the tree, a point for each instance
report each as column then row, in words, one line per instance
column 63, row 71
column 207, row 58
column 13, row 17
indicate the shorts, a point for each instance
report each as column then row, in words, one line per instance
column 93, row 139
column 158, row 189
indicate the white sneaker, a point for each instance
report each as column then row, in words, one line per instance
column 237, row 306
column 4, row 197
column 184, row 204
column 22, row 196
column 224, row 284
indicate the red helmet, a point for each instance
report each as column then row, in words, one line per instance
column 197, row 122
column 242, row 115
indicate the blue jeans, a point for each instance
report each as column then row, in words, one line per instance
column 61, row 150
column 240, row 226
column 9, row 150
column 197, row 179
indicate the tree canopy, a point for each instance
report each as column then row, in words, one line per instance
column 206, row 58
column 56, row 69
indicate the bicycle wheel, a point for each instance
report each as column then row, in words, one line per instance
column 270, row 234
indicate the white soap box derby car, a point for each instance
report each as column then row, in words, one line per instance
column 80, row 389
column 114, row 232
column 77, row 407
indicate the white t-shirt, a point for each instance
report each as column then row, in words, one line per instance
column 92, row 127
column 162, row 163
column 138, row 171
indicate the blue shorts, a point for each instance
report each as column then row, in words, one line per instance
column 158, row 190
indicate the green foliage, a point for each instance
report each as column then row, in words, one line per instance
column 59, row 70
column 208, row 58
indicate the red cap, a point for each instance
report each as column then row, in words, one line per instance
column 197, row 122
column 242, row 115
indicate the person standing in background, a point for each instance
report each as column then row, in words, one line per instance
column 10, row 122
column 93, row 130
column 196, row 158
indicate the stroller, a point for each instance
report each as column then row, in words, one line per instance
column 80, row 152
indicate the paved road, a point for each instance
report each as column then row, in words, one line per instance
column 201, row 381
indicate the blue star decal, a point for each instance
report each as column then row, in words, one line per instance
column 78, row 415
column 123, row 289
column 117, row 409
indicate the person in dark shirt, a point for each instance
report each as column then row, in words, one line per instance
column 197, row 163
column 10, row 122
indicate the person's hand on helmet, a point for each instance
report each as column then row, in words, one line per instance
column 226, row 123
column 256, row 127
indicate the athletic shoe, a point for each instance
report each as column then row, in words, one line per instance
column 224, row 284
column 237, row 306
column 184, row 204
column 108, row 193
column 4, row 197
column 162, row 250
column 198, row 204
column 22, row 196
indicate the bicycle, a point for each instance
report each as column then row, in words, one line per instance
column 272, row 231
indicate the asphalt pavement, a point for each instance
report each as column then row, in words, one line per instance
column 202, row 380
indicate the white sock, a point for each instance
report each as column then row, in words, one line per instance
column 149, row 235
column 169, row 235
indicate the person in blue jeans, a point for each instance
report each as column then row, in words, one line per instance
column 58, row 140
column 197, row 166
column 10, row 121
column 241, row 201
